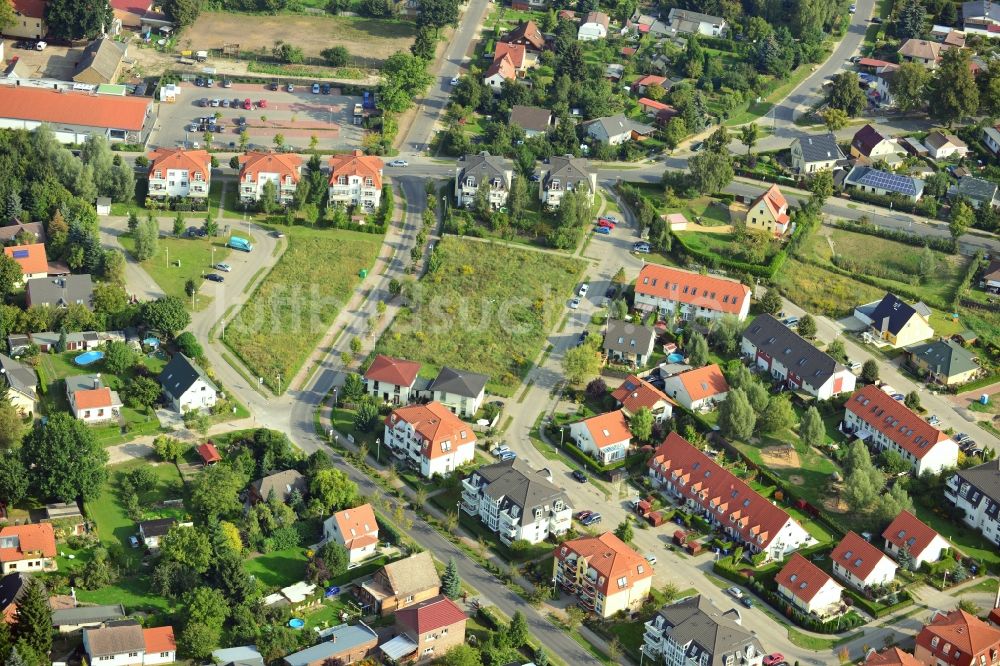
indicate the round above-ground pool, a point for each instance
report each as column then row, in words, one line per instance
column 86, row 358
column 675, row 358
column 296, row 623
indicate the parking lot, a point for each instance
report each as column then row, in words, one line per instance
column 297, row 116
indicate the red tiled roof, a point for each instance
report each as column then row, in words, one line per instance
column 32, row 539
column 705, row 382
column 721, row 294
column 283, row 164
column 192, row 161
column 396, row 371
column 357, row 526
column 31, row 258
column 92, row 398
column 209, row 453
column 892, row 657
column 650, row 79
column 515, row 51
column 159, row 639
column 635, row 393
column 910, row 532
column 30, row 8
column 802, row 578
column 753, row 517
column 609, row 428
column 504, row 67
column 964, row 632
column 527, row 32
column 431, row 615
column 776, row 203
column 357, row 163
column 628, row 51
column 873, row 62
column 600, row 18
column 653, row 104
column 72, row 108
column 857, row 555
column 611, row 558
column 436, row 424
column 895, row 420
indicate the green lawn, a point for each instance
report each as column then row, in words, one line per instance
column 133, row 592
column 967, row 540
column 193, row 217
column 293, row 307
column 178, row 260
column 280, row 568
column 113, row 526
column 821, row 291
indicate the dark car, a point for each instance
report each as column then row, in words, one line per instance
column 534, row 178
column 579, row 476
column 611, row 292
column 747, row 601
column 592, row 519
column 215, row 277
column 272, row 86
column 203, row 101
column 325, row 88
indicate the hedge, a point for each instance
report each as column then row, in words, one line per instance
column 876, row 609
column 927, row 207
column 714, row 260
column 896, row 288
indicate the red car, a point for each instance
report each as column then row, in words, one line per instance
column 605, row 222
column 247, row 104
column 581, row 515
column 774, row 659
column 262, row 104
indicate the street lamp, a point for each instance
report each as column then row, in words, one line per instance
column 562, row 433
column 378, row 449
column 335, row 397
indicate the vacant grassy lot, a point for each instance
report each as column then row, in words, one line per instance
column 823, row 292
column 293, row 307
column 195, row 258
column 487, row 308
column 367, row 37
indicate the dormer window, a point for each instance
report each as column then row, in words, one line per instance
column 341, row 180
column 369, row 182
column 157, row 174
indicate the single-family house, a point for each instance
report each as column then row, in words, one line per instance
column 655, row 109
column 29, row 20
column 976, row 191
column 895, row 321
column 430, row 437
column 884, row 183
column 809, row 588
column 128, row 644
column 942, row 146
column 16, row 232
column 176, row 172
column 694, row 630
column 282, row 484
column 644, row 83
column 683, row 21
column 687, row 295
column 519, row 56
column 891, row 657
column 391, row 379
column 90, row 400
column 594, row 26
column 565, row 174
column 101, row 62
column 31, row 259
column 356, row 180
column 886, row 424
column 789, row 357
column 979, row 15
column 944, row 361
column 976, row 492
column 634, row 393
column 500, row 71
column 991, row 276
column 460, row 391
column 604, row 573
column 48, row 341
column 860, row 564
column 516, row 502
column 534, row 120
column 606, row 437
column 59, row 292
column 921, row 51
column 682, row 471
column 400, row 584
column 27, row 548
column 909, row 533
column 483, row 170
column 869, row 145
column 991, row 137
column 769, row 212
column 282, row 170
column 957, row 638
column 425, row 631
column 21, row 382
column 815, row 152
column 13, row 587
column 625, row 342
column 152, row 531
column 528, row 35
column 698, row 389
column 355, row 529
column 186, row 386
column 616, row 130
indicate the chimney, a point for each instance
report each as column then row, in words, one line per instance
column 97, row 382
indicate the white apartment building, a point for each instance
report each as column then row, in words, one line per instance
column 430, row 438
column 977, row 492
column 483, row 170
column 175, row 172
column 356, row 180
column 281, row 169
column 688, row 295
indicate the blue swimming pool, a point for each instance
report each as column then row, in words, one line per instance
column 86, row 358
column 296, row 623
column 675, row 358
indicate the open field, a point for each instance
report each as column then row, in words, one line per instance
column 366, row 37
column 178, row 260
column 285, row 317
column 823, row 292
column 487, row 308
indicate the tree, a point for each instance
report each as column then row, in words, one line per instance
column 462, row 655
column 210, row 226
column 70, row 20
column 366, row 418
column 893, row 463
column 736, row 417
column 837, row 351
column 710, row 171
column 10, row 276
column 910, row 19
column 8, row 19
column 404, row 78
column 697, row 349
column 141, row 392
column 451, row 583
column 777, row 416
column 807, row 326
column 749, row 134
column 147, row 238
column 354, row 387
column 846, row 95
column 757, row 396
column 641, row 424
column 166, row 314
column 187, row 546
column 215, row 493
column 962, row 217
column 168, row 448
column 114, row 267
column 205, row 612
column 821, row 185
column 336, row 56
column 73, row 460
column 33, row 621
column 188, row 345
column 812, row 430
column 863, row 482
column 333, row 489
column 517, row 631
column 771, row 302
column 953, row 92
column 437, row 14
column 624, row 531
column 869, row 371
column 909, row 86
column 13, row 477
column 119, row 357
column 581, row 362
column 891, row 504
column 834, row 119
column 182, row 12
column 330, row 561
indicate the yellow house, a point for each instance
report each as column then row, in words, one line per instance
column 945, row 361
column 604, row 573
column 29, row 20
column 21, row 382
column 896, row 322
column 769, row 212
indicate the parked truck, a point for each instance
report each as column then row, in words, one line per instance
column 241, row 244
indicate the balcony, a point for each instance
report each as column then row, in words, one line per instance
column 470, row 487
column 471, row 508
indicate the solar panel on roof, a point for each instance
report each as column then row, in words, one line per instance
column 20, row 254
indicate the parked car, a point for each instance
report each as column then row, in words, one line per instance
column 605, row 231
column 574, row 304
column 592, row 519
column 226, row 83
column 289, row 88
column 225, row 268
column 315, row 89
column 454, row 80
column 501, row 448
column 40, row 46
column 277, row 234
column 961, row 437
column 898, row 396
column 611, row 292
column 133, row 541
column 226, row 103
column 650, row 558
column 583, row 290
column 582, row 515
column 791, row 322
column 773, row 659
column 613, row 219
column 747, row 601
column 209, row 83
column 641, row 248
column 855, row 366
column 507, row 455
column 272, row 86
column 735, row 592
column 215, row 277
column 399, row 163
column 579, row 476
column 697, row 145
column 934, row 420
column 262, row 104
column 605, row 222
column 203, row 102
column 853, row 8
column 325, row 88
column 247, row 104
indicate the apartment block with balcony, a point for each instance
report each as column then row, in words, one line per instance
column 174, row 172
column 483, row 170
column 356, row 180
column 281, row 169
column 430, row 438
column 604, row 573
column 977, row 492
column 695, row 632
column 516, row 502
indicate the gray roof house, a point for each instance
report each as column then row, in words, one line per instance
column 976, row 491
column 282, row 483
column 244, row 655
column 34, row 230
column 101, row 62
column 616, row 130
column 534, row 120
column 704, row 634
column 815, row 152
column 20, row 379
column 59, row 292
column 686, row 21
column 565, row 174
column 874, row 181
column 186, row 385
column 483, row 168
column 346, row 644
column 625, row 341
column 68, row 620
column 978, row 14
column 460, row 391
column 109, row 642
column 976, row 191
column 13, row 587
column 945, row 361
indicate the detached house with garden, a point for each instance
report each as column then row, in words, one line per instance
column 634, row 393
column 909, row 533
column 860, row 564
column 809, row 588
column 606, row 437
column 186, row 386
column 27, row 548
column 355, row 529
column 391, row 380
column 565, row 174
column 677, row 293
